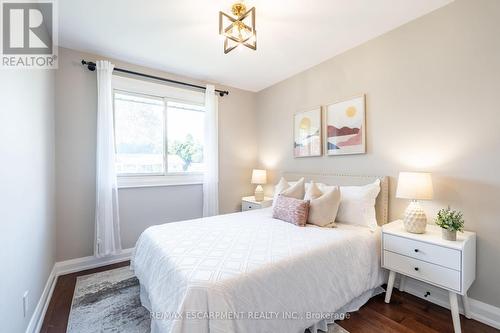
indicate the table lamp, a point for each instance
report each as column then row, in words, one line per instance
column 414, row 186
column 259, row 177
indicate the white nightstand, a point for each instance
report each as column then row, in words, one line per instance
column 249, row 203
column 429, row 258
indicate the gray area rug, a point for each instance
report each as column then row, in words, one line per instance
column 109, row 302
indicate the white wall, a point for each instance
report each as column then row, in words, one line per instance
column 76, row 100
column 27, row 227
column 432, row 90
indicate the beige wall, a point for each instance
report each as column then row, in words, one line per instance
column 139, row 208
column 27, row 228
column 432, row 93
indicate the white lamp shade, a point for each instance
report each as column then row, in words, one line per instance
column 259, row 176
column 415, row 186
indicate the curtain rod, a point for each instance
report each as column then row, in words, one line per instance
column 92, row 66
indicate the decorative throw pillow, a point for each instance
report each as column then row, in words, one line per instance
column 323, row 209
column 296, row 190
column 291, row 210
column 312, row 191
column 280, row 187
column 357, row 204
column 293, row 191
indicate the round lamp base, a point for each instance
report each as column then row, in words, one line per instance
column 415, row 220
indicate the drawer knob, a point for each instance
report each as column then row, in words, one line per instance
column 416, row 250
column 416, row 268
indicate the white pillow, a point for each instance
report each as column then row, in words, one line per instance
column 312, row 191
column 323, row 209
column 280, row 187
column 293, row 191
column 357, row 204
column 296, row 190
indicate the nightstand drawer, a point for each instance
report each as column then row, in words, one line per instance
column 245, row 205
column 421, row 270
column 435, row 254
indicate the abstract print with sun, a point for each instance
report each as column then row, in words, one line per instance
column 307, row 133
column 345, row 126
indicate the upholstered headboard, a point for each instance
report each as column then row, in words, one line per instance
column 382, row 204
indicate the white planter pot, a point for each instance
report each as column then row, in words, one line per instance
column 449, row 235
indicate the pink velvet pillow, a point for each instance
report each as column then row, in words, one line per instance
column 291, row 210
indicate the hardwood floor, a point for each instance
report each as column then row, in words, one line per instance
column 56, row 317
column 405, row 314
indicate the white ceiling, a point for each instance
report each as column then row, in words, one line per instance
column 181, row 36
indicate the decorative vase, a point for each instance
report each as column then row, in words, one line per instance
column 449, row 235
column 415, row 220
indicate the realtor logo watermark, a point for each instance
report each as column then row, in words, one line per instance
column 29, row 34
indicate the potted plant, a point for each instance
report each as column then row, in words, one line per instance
column 451, row 221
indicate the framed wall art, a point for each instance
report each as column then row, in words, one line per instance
column 307, row 133
column 345, row 127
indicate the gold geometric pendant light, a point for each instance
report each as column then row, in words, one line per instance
column 238, row 30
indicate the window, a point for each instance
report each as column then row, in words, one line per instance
column 185, row 129
column 139, row 134
column 158, row 136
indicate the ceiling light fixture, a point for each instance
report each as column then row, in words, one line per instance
column 238, row 30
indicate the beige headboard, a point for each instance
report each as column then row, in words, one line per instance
column 382, row 204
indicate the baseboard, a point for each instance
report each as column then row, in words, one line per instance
column 66, row 267
column 36, row 320
column 81, row 264
column 482, row 312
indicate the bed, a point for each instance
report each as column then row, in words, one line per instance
column 247, row 272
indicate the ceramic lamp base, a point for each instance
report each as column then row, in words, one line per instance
column 415, row 220
column 259, row 193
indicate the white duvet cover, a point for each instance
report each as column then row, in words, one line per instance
column 247, row 273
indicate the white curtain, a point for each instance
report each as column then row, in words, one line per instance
column 211, row 154
column 107, row 224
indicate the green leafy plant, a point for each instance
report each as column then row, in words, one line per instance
column 449, row 219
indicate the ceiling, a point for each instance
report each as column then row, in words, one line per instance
column 181, row 37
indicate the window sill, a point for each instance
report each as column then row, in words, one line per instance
column 159, row 181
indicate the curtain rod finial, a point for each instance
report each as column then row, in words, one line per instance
column 90, row 65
